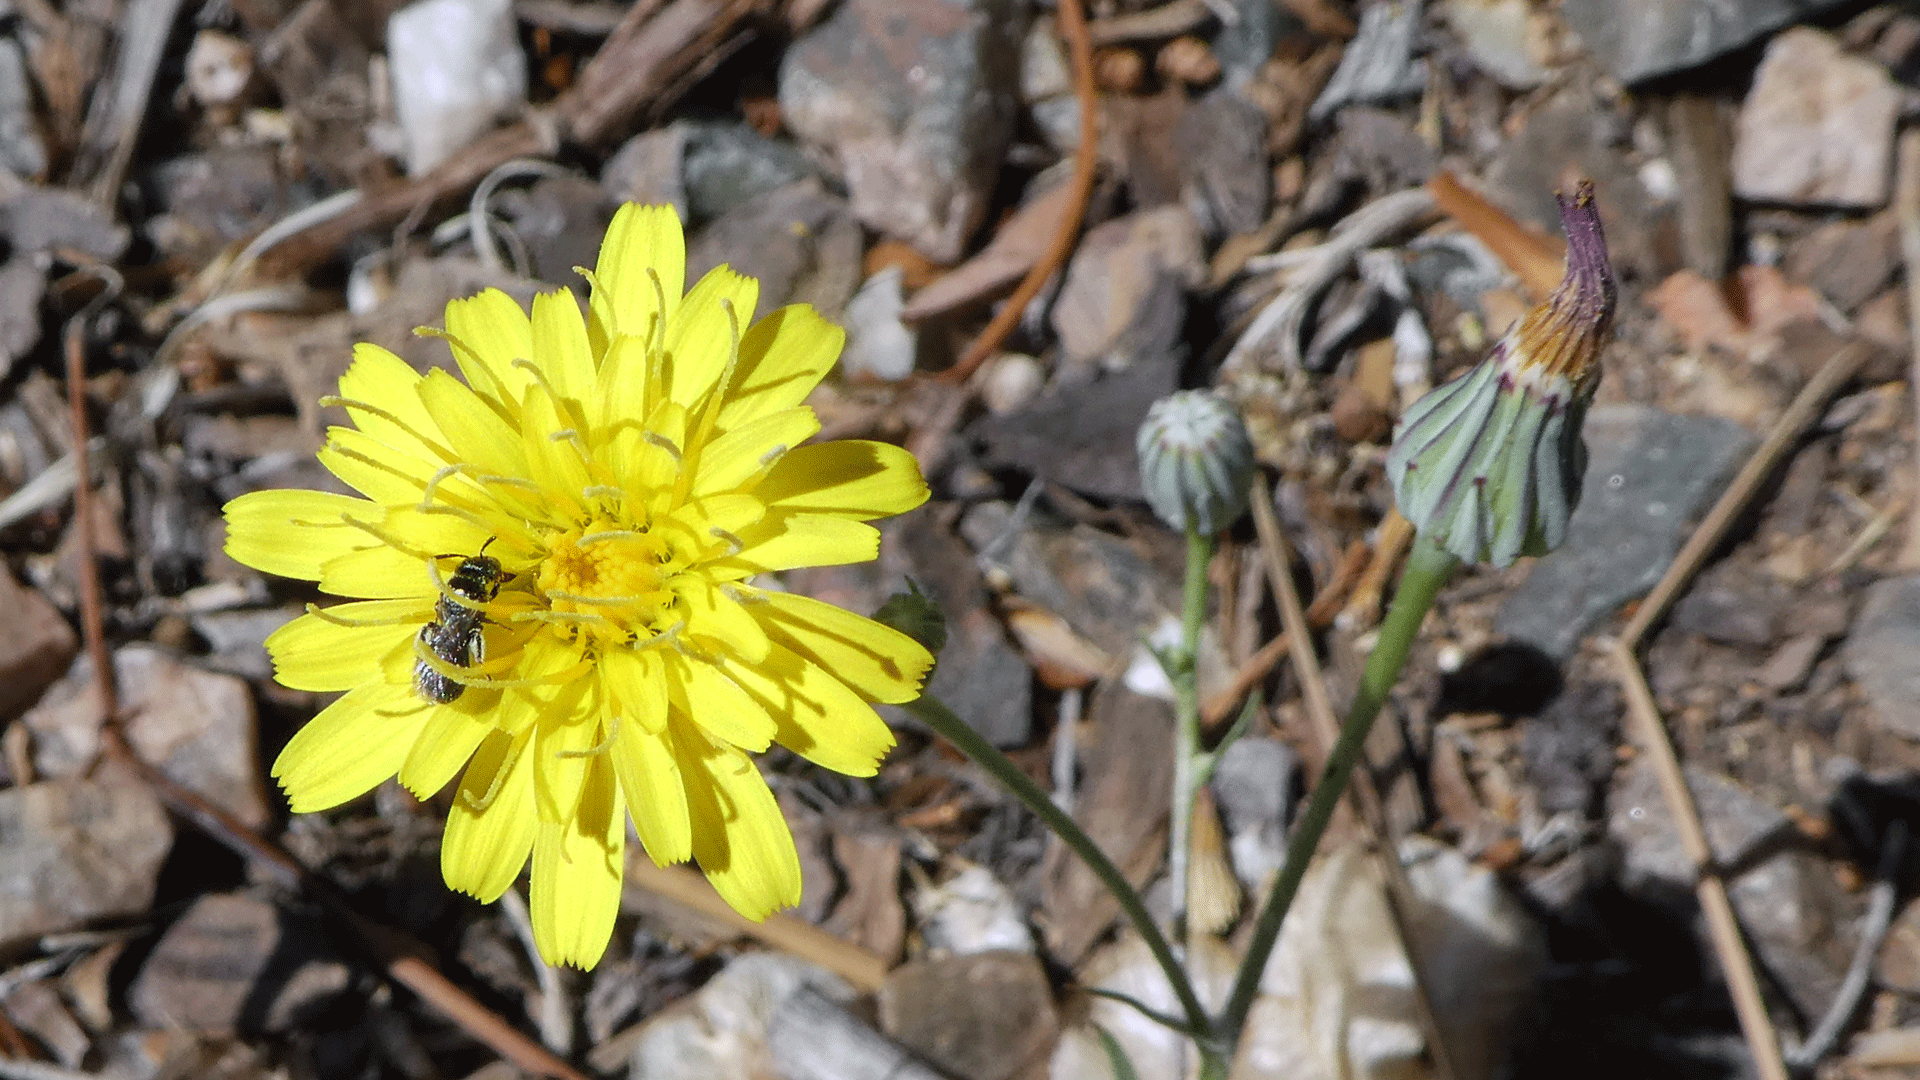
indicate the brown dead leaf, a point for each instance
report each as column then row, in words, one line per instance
column 1060, row 656
column 1535, row 257
column 1019, row 243
column 1744, row 317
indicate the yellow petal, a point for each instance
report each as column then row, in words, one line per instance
column 491, row 825
column 379, row 389
column 877, row 661
column 782, row 358
column 350, row 747
column 859, row 479
column 488, row 333
column 655, row 791
column 577, row 865
column 553, row 458
column 621, row 392
column 745, row 452
column 636, row 685
column 739, row 837
column 703, row 332
column 782, row 541
column 818, row 716
column 477, row 434
column 320, row 653
column 447, row 742
column 703, row 694
column 718, row 622
column 560, row 348
column 641, row 273
column 563, row 745
column 293, row 532
column 377, row 573
column 376, row 470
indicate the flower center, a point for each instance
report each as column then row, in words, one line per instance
column 615, row 575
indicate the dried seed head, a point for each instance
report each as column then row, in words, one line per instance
column 1195, row 461
column 1489, row 465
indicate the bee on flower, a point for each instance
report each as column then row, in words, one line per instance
column 630, row 474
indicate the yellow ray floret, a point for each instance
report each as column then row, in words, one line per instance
column 549, row 563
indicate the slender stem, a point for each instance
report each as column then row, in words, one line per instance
column 955, row 730
column 1182, row 669
column 1428, row 568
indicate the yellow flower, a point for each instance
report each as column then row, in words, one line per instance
column 628, row 475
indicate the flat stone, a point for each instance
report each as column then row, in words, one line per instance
column 1118, row 272
column 1105, row 587
column 1645, row 39
column 981, row 676
column 1082, row 435
column 1817, row 127
column 237, row 638
column 196, row 726
column 1847, row 261
column 237, row 963
column 75, row 851
column 1649, row 475
column 36, row 645
column 1786, row 900
column 1221, row 143
column 915, row 99
column 1882, row 654
column 802, row 244
column 983, row 1016
column 1501, row 37
column 720, row 1032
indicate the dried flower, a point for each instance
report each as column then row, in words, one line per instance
column 1489, row 465
column 627, row 473
column 1195, row 461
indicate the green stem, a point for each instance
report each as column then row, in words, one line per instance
column 1182, row 671
column 955, row 730
column 1428, row 568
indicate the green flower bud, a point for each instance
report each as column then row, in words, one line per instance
column 1195, row 461
column 914, row 614
column 1489, row 465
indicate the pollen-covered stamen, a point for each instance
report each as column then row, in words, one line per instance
column 494, row 394
column 610, row 579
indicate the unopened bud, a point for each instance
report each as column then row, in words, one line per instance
column 1489, row 466
column 1195, row 461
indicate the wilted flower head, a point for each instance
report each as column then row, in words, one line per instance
column 1489, row 465
column 1195, row 461
column 628, row 474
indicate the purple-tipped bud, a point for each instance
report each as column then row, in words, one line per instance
column 1489, row 465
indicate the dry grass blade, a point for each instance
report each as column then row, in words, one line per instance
column 1366, row 797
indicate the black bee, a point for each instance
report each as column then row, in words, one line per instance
column 454, row 636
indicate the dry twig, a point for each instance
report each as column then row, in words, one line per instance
column 1906, row 208
column 1073, row 26
column 1722, row 925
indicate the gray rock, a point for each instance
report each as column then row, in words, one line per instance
column 237, row 638
column 915, row 100
column 1245, row 45
column 802, row 244
column 982, row 1016
column 1883, row 654
column 1817, row 127
column 1498, row 36
column 1253, row 786
column 21, row 149
column 1568, row 748
column 981, row 676
column 74, row 851
column 1096, row 581
column 1378, row 65
column 1786, row 900
column 457, row 69
column 196, row 726
column 728, row 164
column 1848, row 261
column 1649, row 474
column 1113, row 281
column 1221, row 143
column 237, row 963
column 36, row 644
column 1082, row 435
column 1644, row 39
